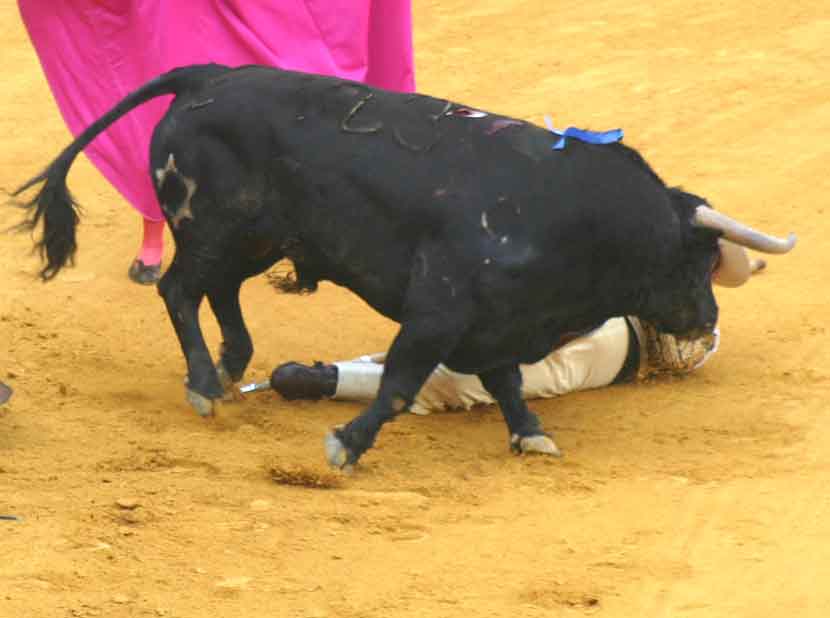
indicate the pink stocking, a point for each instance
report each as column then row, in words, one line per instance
column 153, row 242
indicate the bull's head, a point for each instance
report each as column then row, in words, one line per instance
column 681, row 302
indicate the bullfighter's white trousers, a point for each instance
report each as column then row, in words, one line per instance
column 590, row 361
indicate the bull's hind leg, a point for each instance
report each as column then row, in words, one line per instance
column 182, row 297
column 526, row 433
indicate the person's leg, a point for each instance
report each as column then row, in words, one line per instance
column 146, row 268
column 591, row 361
column 93, row 54
column 348, row 381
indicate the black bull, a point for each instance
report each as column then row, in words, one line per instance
column 484, row 243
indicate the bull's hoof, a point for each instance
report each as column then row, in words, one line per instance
column 337, row 454
column 534, row 444
column 204, row 407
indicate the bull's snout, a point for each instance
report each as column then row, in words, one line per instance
column 697, row 333
column 698, row 322
column 690, row 320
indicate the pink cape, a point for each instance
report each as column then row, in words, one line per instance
column 95, row 52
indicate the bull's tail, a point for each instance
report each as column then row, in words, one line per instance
column 53, row 202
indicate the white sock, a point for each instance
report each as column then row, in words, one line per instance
column 357, row 381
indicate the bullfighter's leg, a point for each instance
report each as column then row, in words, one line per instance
column 526, row 433
column 182, row 297
column 237, row 347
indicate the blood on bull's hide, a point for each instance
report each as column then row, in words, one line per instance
column 479, row 233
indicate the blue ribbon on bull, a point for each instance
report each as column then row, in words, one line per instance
column 590, row 137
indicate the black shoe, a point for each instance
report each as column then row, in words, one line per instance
column 142, row 274
column 296, row 381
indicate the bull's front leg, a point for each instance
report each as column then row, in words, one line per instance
column 438, row 309
column 182, row 300
column 526, row 433
column 416, row 351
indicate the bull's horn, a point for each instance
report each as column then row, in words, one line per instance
column 742, row 234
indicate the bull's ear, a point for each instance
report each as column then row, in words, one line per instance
column 684, row 203
column 704, row 237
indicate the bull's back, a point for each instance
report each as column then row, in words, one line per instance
column 426, row 160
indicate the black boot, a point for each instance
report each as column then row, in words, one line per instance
column 296, row 381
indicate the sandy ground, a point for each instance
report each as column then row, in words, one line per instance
column 703, row 497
